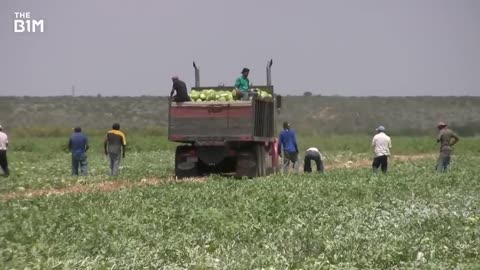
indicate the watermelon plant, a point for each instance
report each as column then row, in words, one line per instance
column 348, row 218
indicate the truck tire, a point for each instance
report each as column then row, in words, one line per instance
column 260, row 153
column 186, row 164
column 269, row 158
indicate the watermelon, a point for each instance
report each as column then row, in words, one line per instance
column 194, row 95
column 211, row 96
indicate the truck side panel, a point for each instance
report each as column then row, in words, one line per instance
column 264, row 123
column 210, row 121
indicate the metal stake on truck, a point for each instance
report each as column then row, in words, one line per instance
column 226, row 137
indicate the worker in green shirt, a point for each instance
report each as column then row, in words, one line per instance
column 243, row 84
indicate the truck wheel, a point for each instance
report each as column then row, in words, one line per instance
column 186, row 162
column 268, row 164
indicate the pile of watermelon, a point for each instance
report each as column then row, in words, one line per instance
column 212, row 95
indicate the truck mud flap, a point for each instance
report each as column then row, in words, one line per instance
column 246, row 165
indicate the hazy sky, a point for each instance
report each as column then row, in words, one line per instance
column 335, row 47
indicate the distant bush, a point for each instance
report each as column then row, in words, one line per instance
column 24, row 146
column 41, row 132
column 467, row 129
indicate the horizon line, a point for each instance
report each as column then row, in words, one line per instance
column 288, row 95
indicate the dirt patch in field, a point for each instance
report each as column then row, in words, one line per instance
column 404, row 158
column 111, row 186
column 363, row 163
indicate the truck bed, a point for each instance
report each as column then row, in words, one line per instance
column 221, row 121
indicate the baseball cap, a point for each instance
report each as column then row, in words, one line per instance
column 0, row 126
column 441, row 124
column 245, row 70
column 381, row 129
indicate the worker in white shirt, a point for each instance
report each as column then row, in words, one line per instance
column 312, row 153
column 381, row 144
column 3, row 152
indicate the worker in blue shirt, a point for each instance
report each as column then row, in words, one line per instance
column 78, row 145
column 288, row 141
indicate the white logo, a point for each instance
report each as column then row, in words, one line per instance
column 24, row 23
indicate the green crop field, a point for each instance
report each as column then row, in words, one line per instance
column 412, row 218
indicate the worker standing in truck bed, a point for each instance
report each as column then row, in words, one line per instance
column 181, row 88
column 243, row 84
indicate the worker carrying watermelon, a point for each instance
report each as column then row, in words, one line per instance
column 243, row 85
column 181, row 88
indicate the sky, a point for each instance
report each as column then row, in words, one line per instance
column 328, row 47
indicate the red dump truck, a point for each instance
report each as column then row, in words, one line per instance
column 225, row 137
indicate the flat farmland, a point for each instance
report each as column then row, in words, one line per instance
column 345, row 219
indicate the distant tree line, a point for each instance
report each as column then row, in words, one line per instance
column 309, row 114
